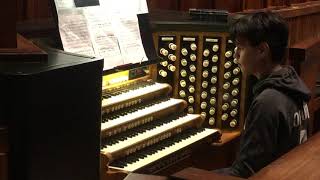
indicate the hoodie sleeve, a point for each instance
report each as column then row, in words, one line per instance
column 257, row 146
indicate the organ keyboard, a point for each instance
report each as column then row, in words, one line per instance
column 141, row 125
column 121, row 97
column 162, row 149
column 120, row 121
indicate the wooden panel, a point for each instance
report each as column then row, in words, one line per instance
column 278, row 3
column 229, row 5
column 304, row 56
column 37, row 9
column 302, row 20
column 162, row 4
column 3, row 153
column 204, row 4
column 300, row 163
column 254, row 4
column 8, row 33
column 200, row 174
column 21, row 10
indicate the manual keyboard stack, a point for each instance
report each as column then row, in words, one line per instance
column 144, row 130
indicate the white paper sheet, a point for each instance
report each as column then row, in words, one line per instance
column 129, row 38
column 125, row 6
column 103, row 38
column 64, row 4
column 109, row 31
column 74, row 32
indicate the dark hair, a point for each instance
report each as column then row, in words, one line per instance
column 263, row 27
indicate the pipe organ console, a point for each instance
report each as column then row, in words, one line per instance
column 198, row 62
column 152, row 123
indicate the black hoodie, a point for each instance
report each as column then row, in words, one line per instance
column 276, row 121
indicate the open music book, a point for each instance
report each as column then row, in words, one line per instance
column 109, row 30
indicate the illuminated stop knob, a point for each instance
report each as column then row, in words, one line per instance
column 184, row 62
column 235, row 92
column 233, row 123
column 190, row 110
column 205, row 63
column 204, row 95
column 212, row 100
column 234, row 102
column 211, row 121
column 193, row 46
column 226, row 96
column 227, row 75
column 183, row 73
column 224, row 116
column 183, row 83
column 235, row 61
column 191, row 99
column 164, row 63
column 193, row 57
column 184, row 51
column 225, row 106
column 228, row 54
column 163, row 51
column 212, row 111
column 172, row 57
column 214, row 69
column 192, row 78
column 192, row 68
column 182, row 93
column 172, row 46
column 204, row 84
column 235, row 81
column 226, row 85
column 215, row 48
column 163, row 73
column 206, row 53
column 227, row 64
column 214, row 79
column 203, row 105
column 213, row 90
column 236, row 71
column 171, row 67
column 234, row 112
column 191, row 89
column 205, row 74
column 215, row 58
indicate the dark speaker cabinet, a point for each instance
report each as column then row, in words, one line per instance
column 52, row 110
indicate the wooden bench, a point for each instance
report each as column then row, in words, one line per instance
column 301, row 162
column 305, row 57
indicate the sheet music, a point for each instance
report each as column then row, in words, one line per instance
column 104, row 40
column 64, row 4
column 74, row 32
column 110, row 30
column 130, row 42
column 125, row 6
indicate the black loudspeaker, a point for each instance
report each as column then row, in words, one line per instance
column 52, row 110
